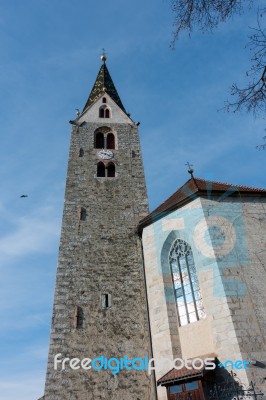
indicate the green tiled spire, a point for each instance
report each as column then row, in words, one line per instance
column 104, row 84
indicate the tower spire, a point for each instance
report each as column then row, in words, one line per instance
column 104, row 84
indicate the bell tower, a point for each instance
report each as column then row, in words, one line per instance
column 100, row 304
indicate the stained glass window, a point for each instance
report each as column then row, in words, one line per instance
column 186, row 284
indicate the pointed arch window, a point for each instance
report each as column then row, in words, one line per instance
column 101, row 170
column 111, row 170
column 99, row 140
column 186, row 284
column 110, row 142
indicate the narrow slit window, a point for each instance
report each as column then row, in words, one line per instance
column 83, row 214
column 101, row 170
column 99, row 140
column 111, row 170
column 110, row 143
column 79, row 317
column 106, row 301
column 81, row 152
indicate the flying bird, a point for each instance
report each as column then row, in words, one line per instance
column 23, row 195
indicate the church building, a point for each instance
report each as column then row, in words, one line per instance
column 167, row 305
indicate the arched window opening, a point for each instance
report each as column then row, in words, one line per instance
column 101, row 112
column 110, row 143
column 111, row 170
column 99, row 140
column 186, row 284
column 104, row 100
column 79, row 317
column 104, row 112
column 101, row 170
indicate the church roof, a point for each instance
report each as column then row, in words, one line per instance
column 182, row 374
column 196, row 369
column 185, row 373
column 196, row 187
column 104, row 84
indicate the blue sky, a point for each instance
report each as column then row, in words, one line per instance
column 49, row 62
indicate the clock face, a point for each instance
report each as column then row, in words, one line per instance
column 105, row 154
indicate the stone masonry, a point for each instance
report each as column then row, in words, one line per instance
column 232, row 283
column 100, row 255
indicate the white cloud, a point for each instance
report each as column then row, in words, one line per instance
column 22, row 387
column 30, row 234
column 25, row 322
column 23, row 373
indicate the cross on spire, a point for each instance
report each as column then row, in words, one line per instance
column 190, row 169
column 103, row 55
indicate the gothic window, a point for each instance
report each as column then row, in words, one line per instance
column 111, row 170
column 104, row 100
column 110, row 143
column 99, row 140
column 186, row 284
column 101, row 170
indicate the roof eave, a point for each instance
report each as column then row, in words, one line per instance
column 168, row 210
column 200, row 193
column 184, row 378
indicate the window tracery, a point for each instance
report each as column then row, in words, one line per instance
column 186, row 284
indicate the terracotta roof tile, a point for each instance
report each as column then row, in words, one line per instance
column 186, row 373
column 180, row 374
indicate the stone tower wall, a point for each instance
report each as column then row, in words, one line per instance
column 101, row 255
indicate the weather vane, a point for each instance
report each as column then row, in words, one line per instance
column 190, row 169
column 103, row 55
